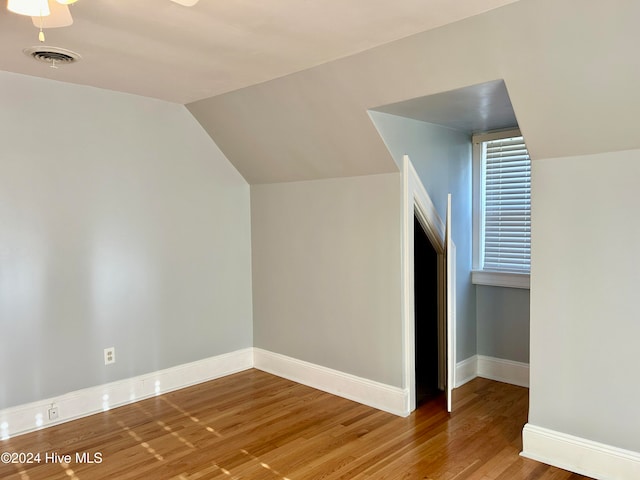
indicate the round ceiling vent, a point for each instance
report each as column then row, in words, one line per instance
column 54, row 56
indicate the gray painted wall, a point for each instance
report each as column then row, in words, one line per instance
column 584, row 297
column 122, row 225
column 502, row 316
column 326, row 273
column 442, row 158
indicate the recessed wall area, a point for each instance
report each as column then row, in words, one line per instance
column 435, row 131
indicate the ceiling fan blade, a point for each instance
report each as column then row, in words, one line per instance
column 186, row 3
column 36, row 7
column 60, row 17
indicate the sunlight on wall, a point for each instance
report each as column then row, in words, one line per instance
column 23, row 276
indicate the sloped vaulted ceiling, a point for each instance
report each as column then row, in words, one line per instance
column 570, row 67
column 160, row 49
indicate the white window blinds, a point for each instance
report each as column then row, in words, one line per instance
column 507, row 205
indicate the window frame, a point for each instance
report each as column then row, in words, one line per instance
column 478, row 275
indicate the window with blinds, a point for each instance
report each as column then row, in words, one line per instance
column 506, row 202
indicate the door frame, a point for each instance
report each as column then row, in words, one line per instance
column 416, row 202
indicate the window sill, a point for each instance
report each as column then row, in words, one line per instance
column 500, row 279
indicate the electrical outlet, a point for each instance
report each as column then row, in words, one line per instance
column 109, row 355
column 53, row 413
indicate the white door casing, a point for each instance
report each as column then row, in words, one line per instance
column 416, row 201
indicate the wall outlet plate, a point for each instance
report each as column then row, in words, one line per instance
column 109, row 355
column 53, row 413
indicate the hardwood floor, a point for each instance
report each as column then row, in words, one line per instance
column 256, row 426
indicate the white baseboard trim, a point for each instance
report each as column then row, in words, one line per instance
column 466, row 370
column 507, row 371
column 586, row 457
column 81, row 403
column 377, row 395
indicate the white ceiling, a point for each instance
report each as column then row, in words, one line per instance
column 478, row 108
column 159, row 49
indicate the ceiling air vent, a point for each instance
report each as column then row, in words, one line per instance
column 54, row 56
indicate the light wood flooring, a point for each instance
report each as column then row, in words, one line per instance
column 256, row 426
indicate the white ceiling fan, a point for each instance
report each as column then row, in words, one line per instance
column 44, row 13
column 55, row 13
column 59, row 15
column 186, row 3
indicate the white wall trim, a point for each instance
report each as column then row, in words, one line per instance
column 501, row 279
column 466, row 370
column 508, row 371
column 368, row 392
column 81, row 403
column 579, row 455
column 416, row 201
column 501, row 370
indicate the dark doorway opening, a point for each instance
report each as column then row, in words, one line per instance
column 426, row 316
